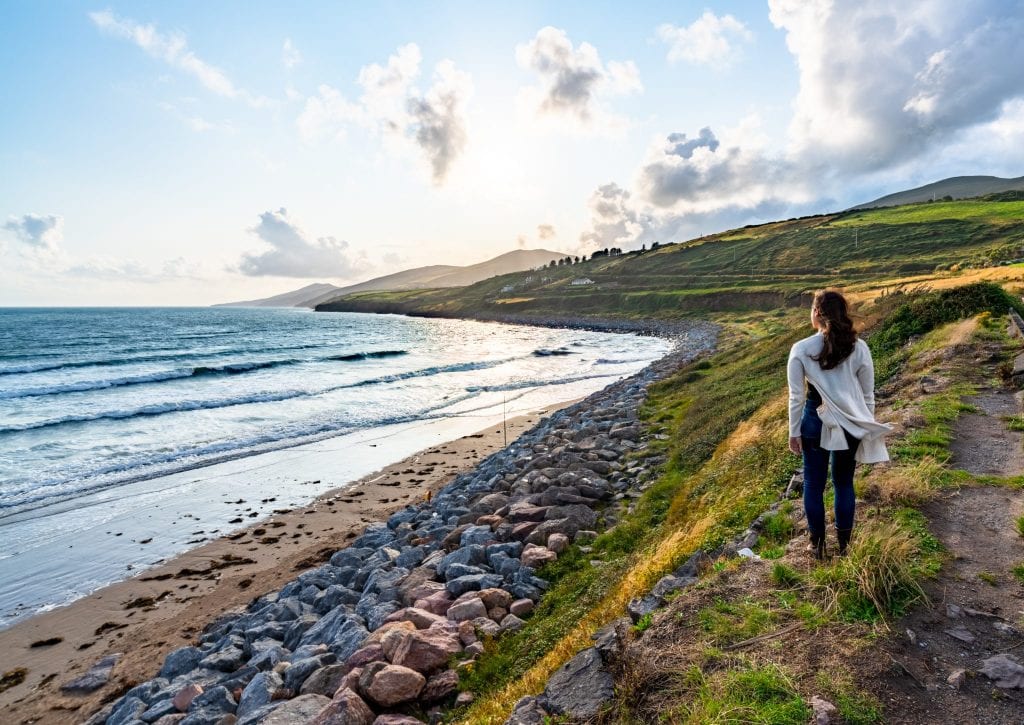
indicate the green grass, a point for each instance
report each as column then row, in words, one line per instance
column 730, row 622
column 1019, row 523
column 726, row 463
column 1018, row 572
column 785, row 576
column 760, row 268
column 923, row 312
column 772, row 551
column 745, row 694
column 643, row 623
column 989, row 578
column 855, row 706
column 881, row 573
column 964, row 210
column 778, row 528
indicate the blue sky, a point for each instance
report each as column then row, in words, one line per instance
column 160, row 153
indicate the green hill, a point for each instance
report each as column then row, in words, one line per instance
column 759, row 267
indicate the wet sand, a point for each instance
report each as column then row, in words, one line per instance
column 167, row 606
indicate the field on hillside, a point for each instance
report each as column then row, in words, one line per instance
column 764, row 267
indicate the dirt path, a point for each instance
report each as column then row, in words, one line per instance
column 984, row 445
column 976, row 613
column 977, row 604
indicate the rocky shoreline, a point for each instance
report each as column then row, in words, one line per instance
column 671, row 329
column 378, row 634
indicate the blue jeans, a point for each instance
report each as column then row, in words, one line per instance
column 816, row 460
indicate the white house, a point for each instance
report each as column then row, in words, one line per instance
column 580, row 281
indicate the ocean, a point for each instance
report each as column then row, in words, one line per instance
column 123, row 418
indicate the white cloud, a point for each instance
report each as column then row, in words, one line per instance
column 709, row 40
column 888, row 92
column 433, row 121
column 882, row 83
column 41, row 253
column 326, row 114
column 545, row 231
column 290, row 55
column 574, row 82
column 39, row 231
column 172, row 48
column 293, row 253
column 615, row 219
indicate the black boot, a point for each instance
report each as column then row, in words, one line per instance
column 817, row 546
column 843, row 537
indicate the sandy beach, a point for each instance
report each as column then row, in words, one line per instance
column 165, row 607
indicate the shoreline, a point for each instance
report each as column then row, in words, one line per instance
column 671, row 330
column 168, row 605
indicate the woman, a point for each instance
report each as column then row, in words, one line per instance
column 834, row 415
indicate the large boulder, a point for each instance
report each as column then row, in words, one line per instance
column 325, row 681
column 259, row 692
column 427, row 650
column 439, row 686
column 299, row 711
column 580, row 687
column 536, row 556
column 468, row 609
column 342, row 632
column 389, row 685
column 346, row 708
column 181, row 661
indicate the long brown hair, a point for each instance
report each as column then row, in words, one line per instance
column 840, row 335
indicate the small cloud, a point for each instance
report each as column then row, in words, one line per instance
column 545, row 231
column 293, row 253
column 172, row 48
column 390, row 105
column 393, row 259
column 710, row 40
column 679, row 145
column 438, row 120
column 43, row 232
column 521, row 242
column 290, row 56
column 573, row 79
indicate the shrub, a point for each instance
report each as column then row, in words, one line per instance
column 878, row 576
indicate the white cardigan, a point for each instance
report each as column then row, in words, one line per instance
column 848, row 398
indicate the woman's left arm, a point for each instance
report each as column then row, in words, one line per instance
column 866, row 378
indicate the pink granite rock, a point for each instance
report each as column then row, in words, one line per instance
column 536, row 556
column 558, row 543
column 440, row 686
column 469, row 609
column 495, row 598
column 184, row 697
column 521, row 607
column 346, row 708
column 427, row 650
column 393, row 684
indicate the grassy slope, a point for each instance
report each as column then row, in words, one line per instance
column 761, row 267
column 818, row 626
column 726, row 431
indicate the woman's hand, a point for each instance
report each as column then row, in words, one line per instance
column 796, row 446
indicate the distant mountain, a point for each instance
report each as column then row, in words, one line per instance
column 294, row 298
column 431, row 277
column 958, row 187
